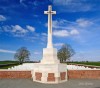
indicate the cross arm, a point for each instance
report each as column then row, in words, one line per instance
column 47, row 12
column 53, row 12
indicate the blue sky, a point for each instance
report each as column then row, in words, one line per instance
column 23, row 23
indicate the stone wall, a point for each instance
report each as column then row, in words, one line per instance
column 72, row 74
column 15, row 74
column 83, row 74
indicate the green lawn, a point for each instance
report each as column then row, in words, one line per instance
column 87, row 63
column 8, row 62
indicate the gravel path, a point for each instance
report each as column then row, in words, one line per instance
column 28, row 83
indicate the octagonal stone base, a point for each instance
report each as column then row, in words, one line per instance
column 49, row 73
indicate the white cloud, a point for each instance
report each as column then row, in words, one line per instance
column 65, row 33
column 6, row 51
column 73, row 5
column 83, row 22
column 55, row 24
column 30, row 28
column 2, row 18
column 59, row 23
column 44, row 34
column 6, row 28
column 22, row 3
column 37, row 53
column 61, row 33
column 21, row 32
column 74, row 32
column 58, row 44
column 19, row 29
column 15, row 30
column 43, row 37
column 65, row 28
column 65, row 24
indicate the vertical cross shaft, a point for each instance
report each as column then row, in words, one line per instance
column 49, row 12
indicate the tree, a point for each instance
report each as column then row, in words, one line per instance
column 22, row 55
column 65, row 53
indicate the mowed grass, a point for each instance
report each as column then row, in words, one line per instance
column 8, row 62
column 87, row 63
column 13, row 63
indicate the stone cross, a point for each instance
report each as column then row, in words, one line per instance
column 49, row 12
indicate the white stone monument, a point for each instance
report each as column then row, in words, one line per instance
column 49, row 53
column 49, row 70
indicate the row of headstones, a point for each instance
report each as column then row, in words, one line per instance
column 25, row 66
column 30, row 66
column 75, row 67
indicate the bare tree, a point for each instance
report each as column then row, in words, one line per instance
column 22, row 55
column 65, row 53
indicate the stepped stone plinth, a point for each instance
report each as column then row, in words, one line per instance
column 49, row 73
